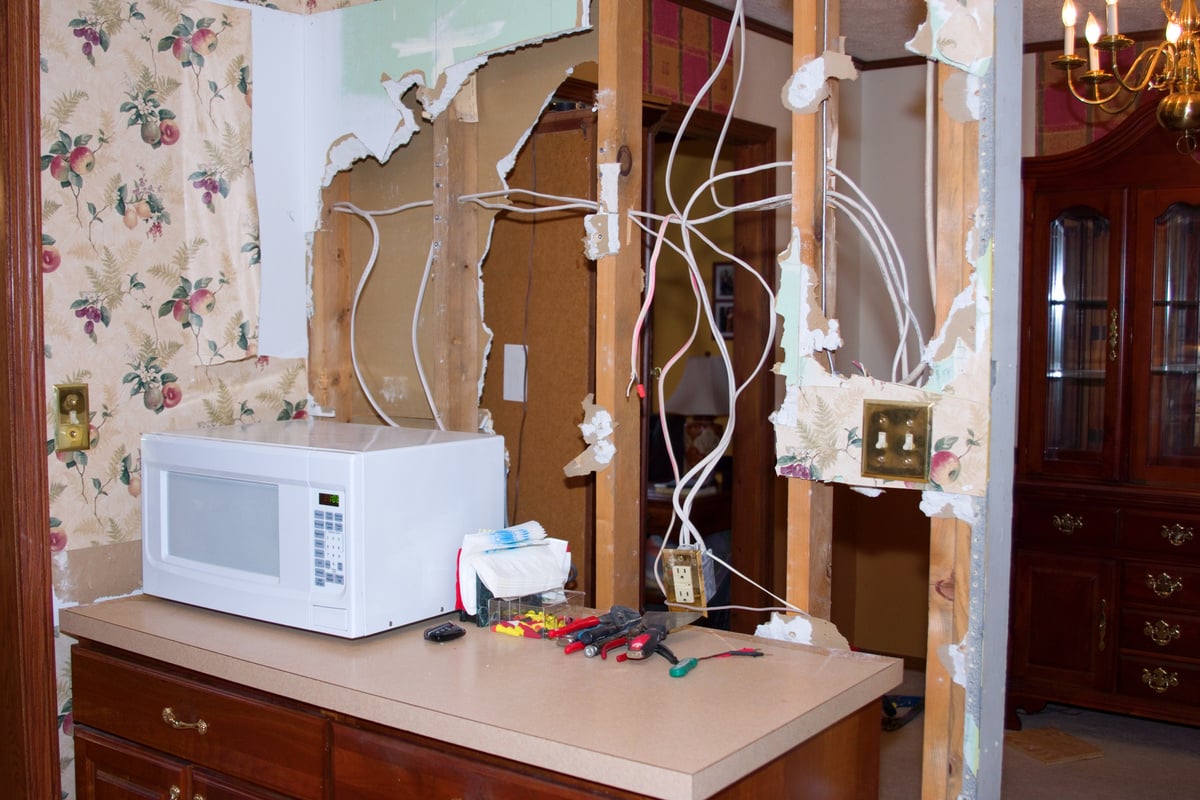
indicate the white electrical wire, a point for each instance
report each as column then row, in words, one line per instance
column 905, row 319
column 567, row 203
column 890, row 261
column 737, row 23
column 369, row 218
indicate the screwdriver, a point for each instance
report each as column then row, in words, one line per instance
column 688, row 664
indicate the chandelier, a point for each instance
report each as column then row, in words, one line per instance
column 1169, row 67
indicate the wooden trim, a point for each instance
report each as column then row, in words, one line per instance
column 619, row 281
column 27, row 675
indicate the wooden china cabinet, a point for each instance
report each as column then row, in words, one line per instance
column 1106, row 562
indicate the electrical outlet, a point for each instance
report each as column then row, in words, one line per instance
column 896, row 440
column 684, row 577
column 71, row 431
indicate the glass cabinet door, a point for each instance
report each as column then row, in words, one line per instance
column 1077, row 332
column 1168, row 377
column 1075, row 345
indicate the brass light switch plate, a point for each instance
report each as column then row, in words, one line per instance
column 71, row 417
column 896, row 440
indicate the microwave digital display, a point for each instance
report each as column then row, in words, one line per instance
column 329, row 499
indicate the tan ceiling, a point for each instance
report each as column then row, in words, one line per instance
column 876, row 30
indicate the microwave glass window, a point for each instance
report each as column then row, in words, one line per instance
column 223, row 522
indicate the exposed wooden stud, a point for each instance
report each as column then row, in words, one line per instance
column 619, row 281
column 810, row 504
column 330, row 378
column 950, row 539
column 454, row 285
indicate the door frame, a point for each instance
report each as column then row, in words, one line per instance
column 28, row 690
column 753, row 493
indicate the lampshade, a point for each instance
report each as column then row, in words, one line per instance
column 704, row 389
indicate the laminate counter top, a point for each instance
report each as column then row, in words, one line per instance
column 629, row 725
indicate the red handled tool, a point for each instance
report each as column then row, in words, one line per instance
column 646, row 639
column 576, row 625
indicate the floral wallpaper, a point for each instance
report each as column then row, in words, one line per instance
column 149, row 250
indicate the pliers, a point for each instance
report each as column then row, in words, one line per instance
column 603, row 647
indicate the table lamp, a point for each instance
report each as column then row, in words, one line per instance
column 701, row 396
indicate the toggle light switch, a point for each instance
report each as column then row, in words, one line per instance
column 901, row 436
column 71, row 417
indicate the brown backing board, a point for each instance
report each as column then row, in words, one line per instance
column 539, row 291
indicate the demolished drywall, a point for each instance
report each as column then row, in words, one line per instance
column 330, row 93
column 819, row 425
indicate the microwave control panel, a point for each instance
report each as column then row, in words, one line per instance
column 329, row 551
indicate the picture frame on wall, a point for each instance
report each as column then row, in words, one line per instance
column 723, row 314
column 722, row 280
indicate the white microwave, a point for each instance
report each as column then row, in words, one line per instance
column 340, row 528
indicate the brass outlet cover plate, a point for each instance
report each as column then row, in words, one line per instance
column 896, row 440
column 71, row 418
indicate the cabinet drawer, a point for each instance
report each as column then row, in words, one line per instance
column 374, row 766
column 1158, row 632
column 1161, row 584
column 244, row 737
column 1161, row 532
column 1066, row 523
column 1159, row 680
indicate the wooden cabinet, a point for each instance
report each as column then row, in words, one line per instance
column 1107, row 491
column 174, row 735
column 383, row 765
column 147, row 729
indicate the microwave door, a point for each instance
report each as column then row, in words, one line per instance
column 224, row 523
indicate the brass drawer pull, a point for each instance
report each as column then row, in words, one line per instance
column 168, row 715
column 1066, row 523
column 1161, row 633
column 175, row 793
column 1176, row 534
column 1160, row 680
column 1163, row 584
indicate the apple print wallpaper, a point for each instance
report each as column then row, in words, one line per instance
column 150, row 261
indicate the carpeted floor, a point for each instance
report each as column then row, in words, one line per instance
column 1139, row 760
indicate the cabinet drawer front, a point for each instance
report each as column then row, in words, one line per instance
column 109, row 767
column 372, row 766
column 244, row 737
column 1164, row 533
column 1161, row 584
column 1157, row 632
column 1160, row 680
column 1066, row 523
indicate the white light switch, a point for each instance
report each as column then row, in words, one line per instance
column 514, row 372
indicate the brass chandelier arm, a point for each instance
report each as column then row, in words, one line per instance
column 1146, row 63
column 1103, row 103
column 1155, row 54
